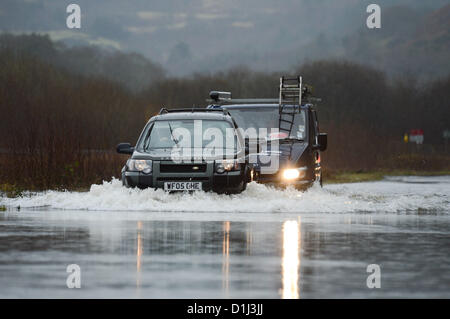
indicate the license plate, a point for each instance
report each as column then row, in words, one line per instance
column 182, row 186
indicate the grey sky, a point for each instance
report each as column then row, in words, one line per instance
column 210, row 30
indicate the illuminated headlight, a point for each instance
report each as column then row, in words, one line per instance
column 294, row 173
column 227, row 165
column 144, row 166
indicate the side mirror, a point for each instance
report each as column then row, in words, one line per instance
column 125, row 148
column 323, row 141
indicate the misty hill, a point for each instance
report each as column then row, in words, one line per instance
column 410, row 42
column 215, row 35
column 130, row 69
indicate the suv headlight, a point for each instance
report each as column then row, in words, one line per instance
column 227, row 165
column 144, row 166
column 294, row 173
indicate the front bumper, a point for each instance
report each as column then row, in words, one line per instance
column 209, row 178
column 277, row 179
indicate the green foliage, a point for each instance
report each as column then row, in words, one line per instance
column 375, row 175
column 11, row 190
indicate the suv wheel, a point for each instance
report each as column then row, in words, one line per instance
column 124, row 181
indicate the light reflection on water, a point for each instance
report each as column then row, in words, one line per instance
column 138, row 256
column 291, row 259
column 226, row 258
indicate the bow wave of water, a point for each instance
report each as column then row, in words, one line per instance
column 394, row 194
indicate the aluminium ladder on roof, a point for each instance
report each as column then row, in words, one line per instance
column 289, row 104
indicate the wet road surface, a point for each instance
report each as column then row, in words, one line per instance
column 316, row 244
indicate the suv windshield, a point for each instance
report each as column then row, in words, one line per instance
column 188, row 134
column 265, row 117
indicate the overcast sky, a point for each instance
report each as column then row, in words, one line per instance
column 205, row 28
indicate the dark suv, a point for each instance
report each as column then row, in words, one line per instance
column 296, row 144
column 298, row 154
column 175, row 152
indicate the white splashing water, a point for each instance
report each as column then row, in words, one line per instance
column 399, row 194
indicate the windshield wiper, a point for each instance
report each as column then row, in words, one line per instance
column 171, row 133
column 289, row 139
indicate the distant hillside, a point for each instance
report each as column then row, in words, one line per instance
column 436, row 26
column 413, row 40
column 409, row 42
column 130, row 69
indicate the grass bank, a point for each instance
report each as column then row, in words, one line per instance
column 376, row 175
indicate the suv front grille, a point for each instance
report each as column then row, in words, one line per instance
column 182, row 168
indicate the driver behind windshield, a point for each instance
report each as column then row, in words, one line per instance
column 267, row 118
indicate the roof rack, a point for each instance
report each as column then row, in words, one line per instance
column 193, row 110
column 220, row 98
column 225, row 97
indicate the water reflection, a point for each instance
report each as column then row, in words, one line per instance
column 226, row 257
column 291, row 259
column 249, row 239
column 138, row 255
column 131, row 256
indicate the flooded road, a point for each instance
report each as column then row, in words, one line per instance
column 264, row 243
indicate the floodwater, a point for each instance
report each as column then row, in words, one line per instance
column 263, row 243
